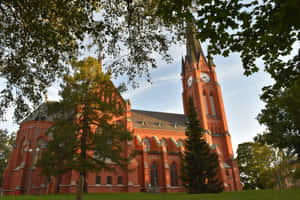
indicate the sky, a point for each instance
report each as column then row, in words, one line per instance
column 240, row 93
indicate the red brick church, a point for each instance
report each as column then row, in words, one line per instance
column 158, row 139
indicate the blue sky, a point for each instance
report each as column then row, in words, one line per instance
column 240, row 93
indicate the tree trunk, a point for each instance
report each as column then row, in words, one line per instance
column 80, row 187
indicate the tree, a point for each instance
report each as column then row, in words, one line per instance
column 6, row 144
column 89, row 132
column 262, row 166
column 37, row 38
column 254, row 162
column 281, row 116
column 256, row 29
column 199, row 165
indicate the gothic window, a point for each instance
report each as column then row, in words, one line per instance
column 38, row 151
column 109, row 180
column 212, row 103
column 22, row 152
column 174, row 175
column 120, row 181
column 98, row 180
column 147, row 143
column 205, row 103
column 154, row 175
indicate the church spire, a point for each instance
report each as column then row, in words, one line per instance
column 182, row 65
column 210, row 59
column 193, row 46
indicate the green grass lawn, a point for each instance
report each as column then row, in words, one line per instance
column 290, row 194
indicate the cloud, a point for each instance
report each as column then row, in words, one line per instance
column 170, row 77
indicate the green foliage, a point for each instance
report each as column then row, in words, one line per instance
column 256, row 29
column 262, row 166
column 37, row 38
column 199, row 165
column 85, row 137
column 6, row 145
column 281, row 116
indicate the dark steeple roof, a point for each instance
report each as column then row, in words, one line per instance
column 193, row 46
column 210, row 59
column 182, row 66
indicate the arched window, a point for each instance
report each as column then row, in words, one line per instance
column 120, row 181
column 205, row 103
column 154, row 175
column 38, row 152
column 174, row 175
column 147, row 143
column 212, row 103
column 22, row 152
column 109, row 180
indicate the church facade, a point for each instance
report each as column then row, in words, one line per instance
column 158, row 141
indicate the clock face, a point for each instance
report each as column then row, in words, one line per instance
column 190, row 80
column 205, row 77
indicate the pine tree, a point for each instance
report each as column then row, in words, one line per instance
column 199, row 165
column 89, row 131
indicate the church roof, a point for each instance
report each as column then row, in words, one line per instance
column 140, row 118
column 158, row 120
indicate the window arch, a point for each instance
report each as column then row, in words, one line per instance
column 212, row 103
column 154, row 175
column 205, row 103
column 174, row 175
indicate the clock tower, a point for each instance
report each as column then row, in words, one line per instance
column 199, row 81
